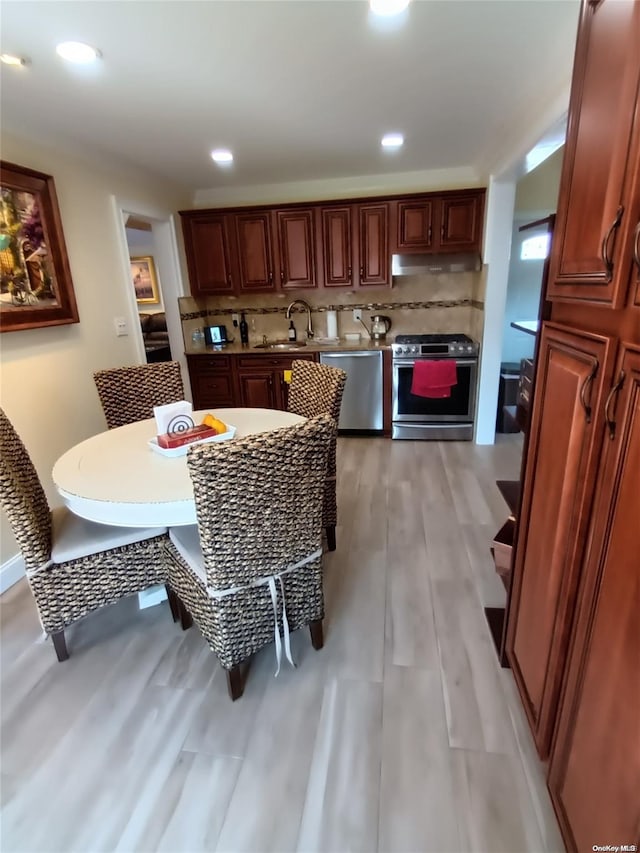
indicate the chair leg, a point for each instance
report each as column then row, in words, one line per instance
column 174, row 603
column 60, row 645
column 186, row 619
column 235, row 682
column 331, row 537
column 315, row 629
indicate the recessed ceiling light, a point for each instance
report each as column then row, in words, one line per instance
column 9, row 59
column 222, row 155
column 392, row 140
column 78, row 52
column 387, row 8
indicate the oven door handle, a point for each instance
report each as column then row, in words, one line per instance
column 462, row 362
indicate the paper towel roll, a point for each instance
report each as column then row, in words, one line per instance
column 332, row 324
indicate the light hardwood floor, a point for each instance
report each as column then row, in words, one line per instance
column 402, row 734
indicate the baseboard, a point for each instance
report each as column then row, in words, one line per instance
column 11, row 572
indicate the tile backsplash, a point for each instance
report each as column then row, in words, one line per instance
column 425, row 303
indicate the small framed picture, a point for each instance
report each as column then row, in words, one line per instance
column 145, row 282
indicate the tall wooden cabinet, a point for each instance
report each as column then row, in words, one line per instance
column 573, row 630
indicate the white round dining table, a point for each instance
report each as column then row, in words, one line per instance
column 117, row 478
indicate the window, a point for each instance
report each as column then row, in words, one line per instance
column 535, row 248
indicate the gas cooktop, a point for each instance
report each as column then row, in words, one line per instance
column 454, row 345
column 453, row 338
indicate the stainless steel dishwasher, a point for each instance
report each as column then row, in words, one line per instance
column 362, row 400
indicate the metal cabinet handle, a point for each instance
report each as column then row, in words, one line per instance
column 583, row 391
column 349, row 273
column 270, row 276
column 282, row 275
column 429, row 234
column 604, row 250
column 608, row 415
column 361, row 272
column 636, row 247
column 229, row 280
column 442, row 233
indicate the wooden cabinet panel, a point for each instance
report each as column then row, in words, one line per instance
column 566, row 427
column 209, row 254
column 257, row 389
column 460, row 220
column 337, row 246
column 593, row 192
column 255, row 250
column 594, row 774
column 297, row 248
column 414, row 225
column 375, row 259
column 212, row 381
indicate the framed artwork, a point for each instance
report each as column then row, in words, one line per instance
column 145, row 282
column 35, row 279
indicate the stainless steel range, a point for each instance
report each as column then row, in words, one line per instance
column 424, row 418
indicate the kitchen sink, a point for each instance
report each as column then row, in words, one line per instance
column 283, row 345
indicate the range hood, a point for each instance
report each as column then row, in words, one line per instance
column 415, row 264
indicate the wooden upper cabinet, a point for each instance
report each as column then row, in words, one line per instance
column 209, row 254
column 594, row 775
column 337, row 245
column 460, row 223
column 414, row 225
column 438, row 222
column 586, row 255
column 297, row 247
column 255, row 244
column 373, row 245
column 573, row 370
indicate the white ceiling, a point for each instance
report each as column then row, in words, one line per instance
column 298, row 90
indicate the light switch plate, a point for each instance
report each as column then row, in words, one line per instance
column 121, row 326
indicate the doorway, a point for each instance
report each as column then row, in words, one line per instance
column 147, row 287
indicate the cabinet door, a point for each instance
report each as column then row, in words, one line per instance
column 257, row 389
column 255, row 251
column 208, row 250
column 566, row 430
column 414, row 225
column 337, row 246
column 586, row 251
column 373, row 234
column 297, row 245
column 460, row 223
column 594, row 775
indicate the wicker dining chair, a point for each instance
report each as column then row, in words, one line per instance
column 73, row 566
column 317, row 389
column 128, row 394
column 253, row 563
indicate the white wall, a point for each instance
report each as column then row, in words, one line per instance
column 46, row 375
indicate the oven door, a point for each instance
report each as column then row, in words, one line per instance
column 458, row 408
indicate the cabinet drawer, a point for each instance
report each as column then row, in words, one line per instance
column 502, row 548
column 200, row 363
column 210, row 390
column 260, row 362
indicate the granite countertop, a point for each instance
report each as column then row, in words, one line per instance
column 312, row 346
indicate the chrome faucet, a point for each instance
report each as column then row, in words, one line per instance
column 308, row 308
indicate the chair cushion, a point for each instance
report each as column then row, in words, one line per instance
column 73, row 537
column 187, row 542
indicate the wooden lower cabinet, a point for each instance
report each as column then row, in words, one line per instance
column 573, row 370
column 212, row 381
column 594, row 775
column 255, row 381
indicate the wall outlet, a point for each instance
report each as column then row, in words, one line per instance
column 121, row 326
column 357, row 314
column 236, row 320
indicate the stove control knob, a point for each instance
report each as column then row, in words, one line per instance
column 414, row 349
column 407, row 349
column 469, row 348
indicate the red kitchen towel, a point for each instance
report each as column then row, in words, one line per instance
column 434, row 379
